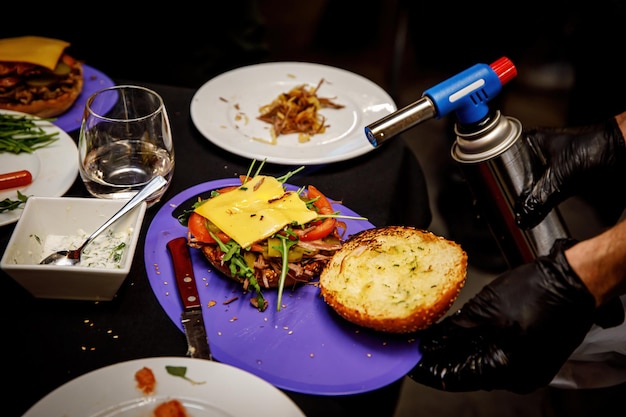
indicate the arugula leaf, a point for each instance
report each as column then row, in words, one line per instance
column 283, row 179
column 183, row 218
column 239, row 268
column 285, row 244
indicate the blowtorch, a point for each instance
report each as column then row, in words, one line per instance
column 493, row 155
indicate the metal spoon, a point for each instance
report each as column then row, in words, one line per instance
column 72, row 257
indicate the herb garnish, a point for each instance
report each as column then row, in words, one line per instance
column 181, row 372
column 116, row 253
column 7, row 204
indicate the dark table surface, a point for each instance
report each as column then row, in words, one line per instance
column 47, row 343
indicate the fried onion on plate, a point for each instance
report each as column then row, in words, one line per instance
column 297, row 112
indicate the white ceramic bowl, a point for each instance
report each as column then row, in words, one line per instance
column 49, row 219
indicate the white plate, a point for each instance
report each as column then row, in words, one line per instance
column 225, row 111
column 53, row 167
column 112, row 392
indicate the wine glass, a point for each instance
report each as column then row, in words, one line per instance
column 125, row 140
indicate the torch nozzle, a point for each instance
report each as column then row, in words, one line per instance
column 466, row 94
column 400, row 120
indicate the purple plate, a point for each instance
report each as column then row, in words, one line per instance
column 305, row 347
column 93, row 80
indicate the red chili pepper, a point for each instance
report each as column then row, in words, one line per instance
column 326, row 226
column 228, row 188
column 15, row 179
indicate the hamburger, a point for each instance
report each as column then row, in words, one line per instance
column 38, row 76
column 264, row 236
column 395, row 279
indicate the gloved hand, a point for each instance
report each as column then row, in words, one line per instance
column 515, row 334
column 590, row 159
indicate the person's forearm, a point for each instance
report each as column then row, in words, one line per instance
column 621, row 121
column 600, row 262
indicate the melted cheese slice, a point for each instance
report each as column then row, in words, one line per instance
column 32, row 49
column 256, row 210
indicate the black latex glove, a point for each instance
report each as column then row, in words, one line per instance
column 515, row 334
column 589, row 160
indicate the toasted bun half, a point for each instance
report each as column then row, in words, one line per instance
column 394, row 279
column 38, row 91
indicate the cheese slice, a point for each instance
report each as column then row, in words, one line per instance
column 32, row 49
column 256, row 210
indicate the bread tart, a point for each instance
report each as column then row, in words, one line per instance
column 394, row 279
column 38, row 77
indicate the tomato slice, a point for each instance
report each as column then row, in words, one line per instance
column 326, row 226
column 197, row 226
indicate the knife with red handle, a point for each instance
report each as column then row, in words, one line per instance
column 191, row 316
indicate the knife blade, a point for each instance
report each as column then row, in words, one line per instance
column 191, row 317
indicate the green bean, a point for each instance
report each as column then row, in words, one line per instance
column 22, row 134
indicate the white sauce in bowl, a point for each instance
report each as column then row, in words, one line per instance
column 105, row 251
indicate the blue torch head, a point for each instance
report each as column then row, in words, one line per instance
column 468, row 92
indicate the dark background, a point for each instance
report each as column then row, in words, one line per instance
column 185, row 43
